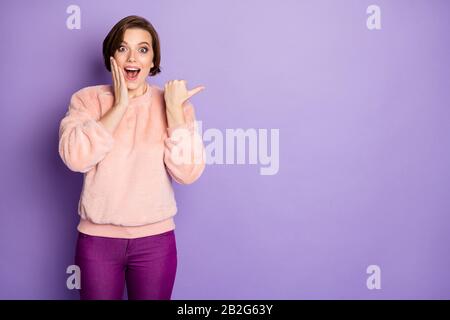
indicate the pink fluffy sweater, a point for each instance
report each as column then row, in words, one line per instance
column 127, row 188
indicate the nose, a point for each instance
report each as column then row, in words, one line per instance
column 131, row 56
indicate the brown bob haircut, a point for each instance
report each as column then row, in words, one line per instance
column 115, row 37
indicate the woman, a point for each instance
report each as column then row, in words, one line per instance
column 130, row 140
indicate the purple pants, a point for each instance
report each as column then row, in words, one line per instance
column 147, row 265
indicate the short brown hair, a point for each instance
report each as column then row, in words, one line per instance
column 115, row 37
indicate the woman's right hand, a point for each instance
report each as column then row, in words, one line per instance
column 120, row 86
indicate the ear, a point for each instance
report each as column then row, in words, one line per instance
column 151, row 66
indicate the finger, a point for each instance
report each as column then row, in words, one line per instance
column 113, row 70
column 195, row 91
column 122, row 77
column 117, row 74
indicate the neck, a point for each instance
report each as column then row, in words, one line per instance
column 139, row 91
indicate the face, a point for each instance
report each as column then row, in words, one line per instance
column 135, row 57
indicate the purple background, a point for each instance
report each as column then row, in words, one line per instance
column 364, row 151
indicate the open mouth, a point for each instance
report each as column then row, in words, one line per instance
column 131, row 73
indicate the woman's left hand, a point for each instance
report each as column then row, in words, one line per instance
column 175, row 94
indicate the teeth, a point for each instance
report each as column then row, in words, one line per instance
column 132, row 69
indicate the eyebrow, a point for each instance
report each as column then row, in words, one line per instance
column 144, row 42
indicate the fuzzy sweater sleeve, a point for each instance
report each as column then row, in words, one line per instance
column 184, row 152
column 83, row 140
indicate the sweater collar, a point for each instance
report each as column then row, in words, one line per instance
column 132, row 101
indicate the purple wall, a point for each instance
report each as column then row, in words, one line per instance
column 363, row 117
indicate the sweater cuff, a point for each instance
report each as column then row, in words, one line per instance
column 189, row 126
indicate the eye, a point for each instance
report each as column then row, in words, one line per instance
column 121, row 49
column 143, row 50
